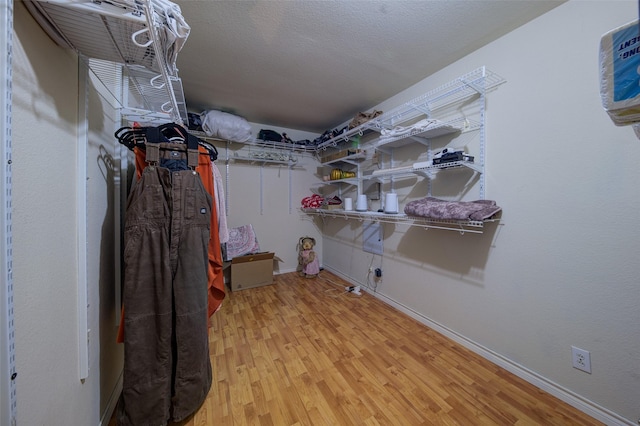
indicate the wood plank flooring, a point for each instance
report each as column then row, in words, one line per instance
column 303, row 352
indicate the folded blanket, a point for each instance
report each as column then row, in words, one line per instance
column 435, row 208
column 242, row 241
column 435, row 128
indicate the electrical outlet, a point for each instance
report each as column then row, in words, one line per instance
column 581, row 359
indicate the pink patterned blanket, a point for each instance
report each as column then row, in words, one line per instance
column 435, row 208
column 242, row 240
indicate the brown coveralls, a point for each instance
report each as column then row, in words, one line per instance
column 167, row 371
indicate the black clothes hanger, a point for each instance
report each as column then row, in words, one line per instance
column 139, row 136
column 131, row 137
column 172, row 130
column 213, row 152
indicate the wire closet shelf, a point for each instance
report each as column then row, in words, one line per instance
column 476, row 82
column 462, row 226
column 129, row 34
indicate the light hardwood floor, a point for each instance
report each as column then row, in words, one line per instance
column 303, row 352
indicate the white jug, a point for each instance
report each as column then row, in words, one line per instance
column 391, row 203
column 361, row 205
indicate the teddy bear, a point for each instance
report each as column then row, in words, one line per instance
column 307, row 259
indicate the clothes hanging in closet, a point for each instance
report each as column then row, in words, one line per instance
column 167, row 370
column 216, row 291
column 223, row 229
column 131, row 137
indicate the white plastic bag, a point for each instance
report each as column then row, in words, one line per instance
column 223, row 125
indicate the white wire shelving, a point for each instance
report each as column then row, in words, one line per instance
column 474, row 83
column 462, row 226
column 434, row 114
column 128, row 34
column 259, row 144
column 266, row 158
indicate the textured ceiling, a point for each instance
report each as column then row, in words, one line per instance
column 311, row 65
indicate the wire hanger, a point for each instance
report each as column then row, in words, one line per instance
column 132, row 137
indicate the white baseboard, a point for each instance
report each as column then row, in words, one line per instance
column 111, row 404
column 577, row 401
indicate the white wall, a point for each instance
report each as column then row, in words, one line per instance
column 561, row 268
column 45, row 92
column 103, row 271
column 45, row 237
column 558, row 271
column 268, row 197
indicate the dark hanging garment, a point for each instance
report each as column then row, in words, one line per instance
column 167, row 370
column 135, row 139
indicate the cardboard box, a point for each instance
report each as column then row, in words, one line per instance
column 332, row 206
column 252, row 270
column 333, row 156
column 340, row 154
